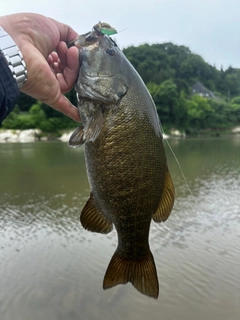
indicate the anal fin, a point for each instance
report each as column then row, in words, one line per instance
column 92, row 218
column 167, row 200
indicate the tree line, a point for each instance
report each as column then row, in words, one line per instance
column 170, row 72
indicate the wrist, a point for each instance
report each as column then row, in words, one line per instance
column 13, row 58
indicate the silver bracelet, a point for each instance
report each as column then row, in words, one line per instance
column 13, row 57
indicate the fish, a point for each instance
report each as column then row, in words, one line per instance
column 126, row 164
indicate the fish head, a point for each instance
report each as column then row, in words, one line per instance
column 102, row 76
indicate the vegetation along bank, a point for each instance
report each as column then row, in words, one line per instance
column 191, row 95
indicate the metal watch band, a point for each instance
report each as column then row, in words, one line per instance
column 13, row 58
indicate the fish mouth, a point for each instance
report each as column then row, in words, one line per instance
column 97, row 76
column 88, row 93
column 85, row 40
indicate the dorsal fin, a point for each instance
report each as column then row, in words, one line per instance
column 167, row 200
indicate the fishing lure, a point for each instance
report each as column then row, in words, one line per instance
column 105, row 28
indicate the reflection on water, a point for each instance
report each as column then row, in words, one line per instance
column 50, row 268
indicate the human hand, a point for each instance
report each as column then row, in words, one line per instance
column 52, row 67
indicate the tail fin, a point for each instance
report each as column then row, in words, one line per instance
column 142, row 274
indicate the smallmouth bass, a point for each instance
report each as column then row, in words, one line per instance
column 125, row 159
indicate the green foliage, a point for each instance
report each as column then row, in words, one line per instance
column 199, row 111
column 37, row 118
column 48, row 119
column 236, row 100
column 169, row 72
column 165, row 96
column 232, row 83
column 18, row 120
column 25, row 102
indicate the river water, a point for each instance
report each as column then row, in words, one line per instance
column 51, row 268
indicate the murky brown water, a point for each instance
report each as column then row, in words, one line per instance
column 50, row 268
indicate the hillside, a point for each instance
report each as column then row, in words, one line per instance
column 174, row 75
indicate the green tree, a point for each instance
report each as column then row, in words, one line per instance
column 49, row 123
column 169, row 71
column 18, row 120
column 165, row 96
column 199, row 111
column 232, row 84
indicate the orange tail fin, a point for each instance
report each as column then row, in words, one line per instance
column 142, row 274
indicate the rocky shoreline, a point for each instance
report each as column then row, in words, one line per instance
column 32, row 135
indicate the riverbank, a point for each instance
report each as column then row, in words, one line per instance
column 32, row 135
column 29, row 135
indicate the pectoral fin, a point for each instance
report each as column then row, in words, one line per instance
column 92, row 218
column 76, row 139
column 167, row 200
column 89, row 132
column 94, row 125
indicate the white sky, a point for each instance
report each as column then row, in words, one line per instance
column 210, row 28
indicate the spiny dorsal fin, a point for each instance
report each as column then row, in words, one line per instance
column 92, row 218
column 167, row 200
column 142, row 274
column 76, row 139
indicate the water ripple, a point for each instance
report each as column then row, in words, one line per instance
column 53, row 269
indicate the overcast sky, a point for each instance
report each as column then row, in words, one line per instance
column 210, row 28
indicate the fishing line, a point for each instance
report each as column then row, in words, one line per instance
column 179, row 166
column 122, row 30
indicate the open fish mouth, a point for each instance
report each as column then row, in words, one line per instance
column 83, row 40
column 91, row 37
column 86, row 39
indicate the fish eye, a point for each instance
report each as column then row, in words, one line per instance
column 111, row 52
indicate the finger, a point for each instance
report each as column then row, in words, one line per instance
column 73, row 58
column 62, row 82
column 54, row 56
column 68, row 57
column 64, row 105
column 61, row 66
column 62, row 52
column 50, row 60
column 68, row 78
column 66, row 83
column 57, row 68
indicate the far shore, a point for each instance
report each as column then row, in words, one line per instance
column 32, row 135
